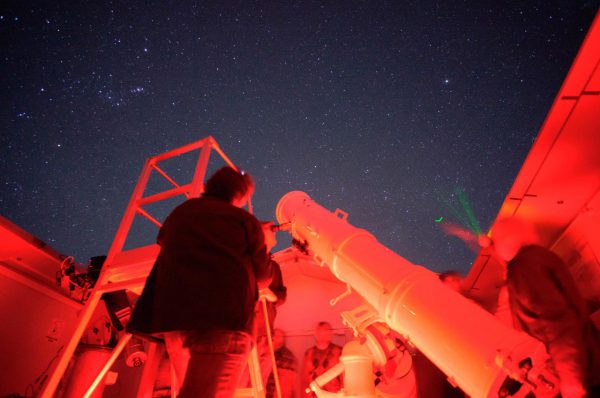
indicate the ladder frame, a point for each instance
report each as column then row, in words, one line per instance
column 129, row 269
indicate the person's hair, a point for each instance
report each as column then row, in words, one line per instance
column 449, row 274
column 228, row 184
column 324, row 324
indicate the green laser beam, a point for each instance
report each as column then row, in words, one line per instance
column 456, row 211
column 439, row 219
column 463, row 211
column 462, row 197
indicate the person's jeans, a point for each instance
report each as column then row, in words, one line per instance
column 210, row 364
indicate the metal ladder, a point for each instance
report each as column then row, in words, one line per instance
column 128, row 269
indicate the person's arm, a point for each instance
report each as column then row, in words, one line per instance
column 337, row 353
column 306, row 372
column 287, row 382
column 261, row 262
column 277, row 285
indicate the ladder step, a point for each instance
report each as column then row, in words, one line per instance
column 244, row 392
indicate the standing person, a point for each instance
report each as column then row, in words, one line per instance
column 201, row 292
column 286, row 368
column 546, row 304
column 319, row 358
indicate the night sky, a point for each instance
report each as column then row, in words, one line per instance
column 398, row 112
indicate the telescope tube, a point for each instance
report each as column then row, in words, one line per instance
column 463, row 340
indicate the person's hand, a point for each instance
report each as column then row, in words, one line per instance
column 267, row 294
column 270, row 239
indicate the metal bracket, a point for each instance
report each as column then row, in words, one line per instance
column 345, row 294
column 341, row 214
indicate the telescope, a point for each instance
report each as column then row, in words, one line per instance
column 475, row 350
column 279, row 227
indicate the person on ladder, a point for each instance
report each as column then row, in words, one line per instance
column 201, row 293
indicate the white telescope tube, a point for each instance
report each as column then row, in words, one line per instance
column 467, row 343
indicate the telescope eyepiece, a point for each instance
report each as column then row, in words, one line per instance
column 279, row 227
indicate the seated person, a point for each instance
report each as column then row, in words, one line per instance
column 286, row 368
column 321, row 357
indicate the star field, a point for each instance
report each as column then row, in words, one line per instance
column 387, row 110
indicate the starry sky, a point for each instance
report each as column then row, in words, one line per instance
column 397, row 112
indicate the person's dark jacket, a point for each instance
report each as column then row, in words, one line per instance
column 212, row 257
column 546, row 304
